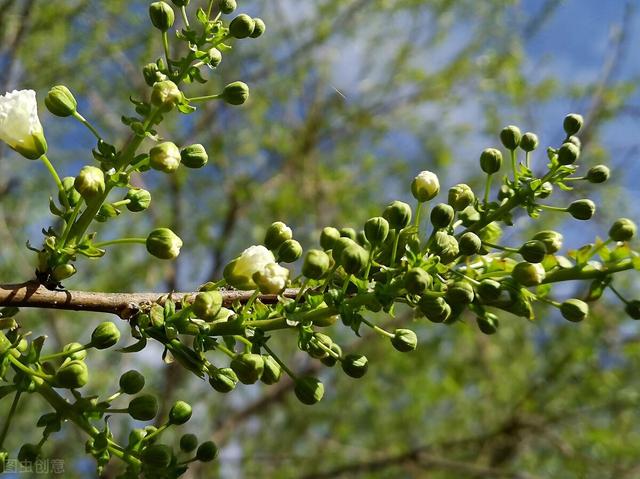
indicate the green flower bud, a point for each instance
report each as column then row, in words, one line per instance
column 505, row 192
column 328, row 237
column 568, row 153
column 248, row 367
column 223, row 380
column 598, row 174
column 316, row 264
column 469, row 244
column 582, row 209
column 163, row 243
column 545, row 190
column 131, row 382
column 227, row 6
column 272, row 370
column 207, row 304
column 164, row 157
column 551, row 239
column 156, row 456
column 188, row 442
column 460, row 292
column 572, row 123
column 152, row 74
column 510, row 137
column 445, row 246
column 161, row 15
column 308, row 390
column 70, row 192
column 348, row 233
column 207, row 451
column 468, row 216
column 180, row 412
column 461, row 196
column 242, row 26
column 398, row 214
column 529, row 142
column 259, row 28
column 330, row 360
column 80, row 355
column 28, row 452
column 376, row 230
column 417, row 281
column 489, row 290
column 89, row 182
column 353, row 258
column 622, row 230
column 340, row 245
column 143, row 408
column 139, row 200
column 215, row 57
column 435, row 309
column 425, row 186
column 404, row 340
column 488, row 323
column 165, row 95
column 574, row 310
column 490, row 161
column 60, row 101
column 72, row 375
column 235, row 93
column 63, row 271
column 533, row 251
column 105, row 335
column 194, row 156
column 441, row 215
column 633, row 309
column 106, row 212
column 528, row 274
column 289, row 251
column 574, row 140
column 277, row 234
column 355, row 365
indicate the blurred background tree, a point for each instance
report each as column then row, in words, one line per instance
column 349, row 100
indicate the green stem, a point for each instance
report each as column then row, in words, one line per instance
column 418, row 211
column 121, row 241
column 396, row 240
column 27, row 370
column 72, row 219
column 377, row 329
column 226, row 350
column 501, row 248
column 526, row 159
column 183, row 11
column 583, row 272
column 284, row 367
column 615, row 291
column 157, row 431
column 49, row 357
column 86, row 123
column 203, row 98
column 12, row 410
column 516, row 180
column 497, row 214
column 552, row 208
column 121, row 203
column 165, row 45
column 487, row 189
column 56, row 178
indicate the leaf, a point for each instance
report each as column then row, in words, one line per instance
column 54, row 209
column 636, row 263
column 597, row 287
column 9, row 312
column 135, row 347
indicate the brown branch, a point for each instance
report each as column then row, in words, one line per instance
column 33, row 295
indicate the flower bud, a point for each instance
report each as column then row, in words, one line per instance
column 143, row 408
column 259, row 28
column 353, row 258
column 551, row 239
column 398, row 214
column 417, row 281
column 340, row 245
column 248, row 367
column 207, row 451
column 180, row 412
column 425, row 186
column 272, row 279
column 404, row 340
column 188, row 442
column 165, row 95
column 460, row 292
column 510, row 137
column 328, row 237
column 277, row 234
column 330, row 360
column 227, row 6
column 598, row 174
column 72, row 375
column 81, row 354
column 60, row 101
column 348, row 233
column 488, row 323
column 242, row 26
column 529, row 142
column 70, row 192
column 105, row 335
column 528, row 274
column 235, row 93
column 106, row 212
column 469, row 244
column 272, row 371
column 239, row 272
column 223, row 380
column 490, row 161
column 533, row 251
column 435, row 309
column 165, row 157
column 161, row 15
column 545, row 190
column 207, row 304
column 20, row 126
column 574, row 310
column 90, row 182
column 632, row 308
column 582, row 209
column 461, row 196
column 489, row 290
column 622, row 230
column 131, row 382
column 376, row 230
column 214, row 57
column 152, row 74
column 316, row 264
column 441, row 215
column 156, row 456
column 505, row 192
column 163, row 243
column 180, row 3
column 63, row 271
column 315, row 348
column 445, row 246
column 308, row 390
column 572, row 123
column 28, row 453
column 194, row 156
column 568, row 153
column 355, row 365
column 139, row 200
column 289, row 251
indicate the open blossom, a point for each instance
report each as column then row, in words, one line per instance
column 239, row 272
column 20, row 126
column 425, row 186
column 272, row 279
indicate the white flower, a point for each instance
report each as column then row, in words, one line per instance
column 20, row 126
column 272, row 279
column 425, row 186
column 239, row 272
